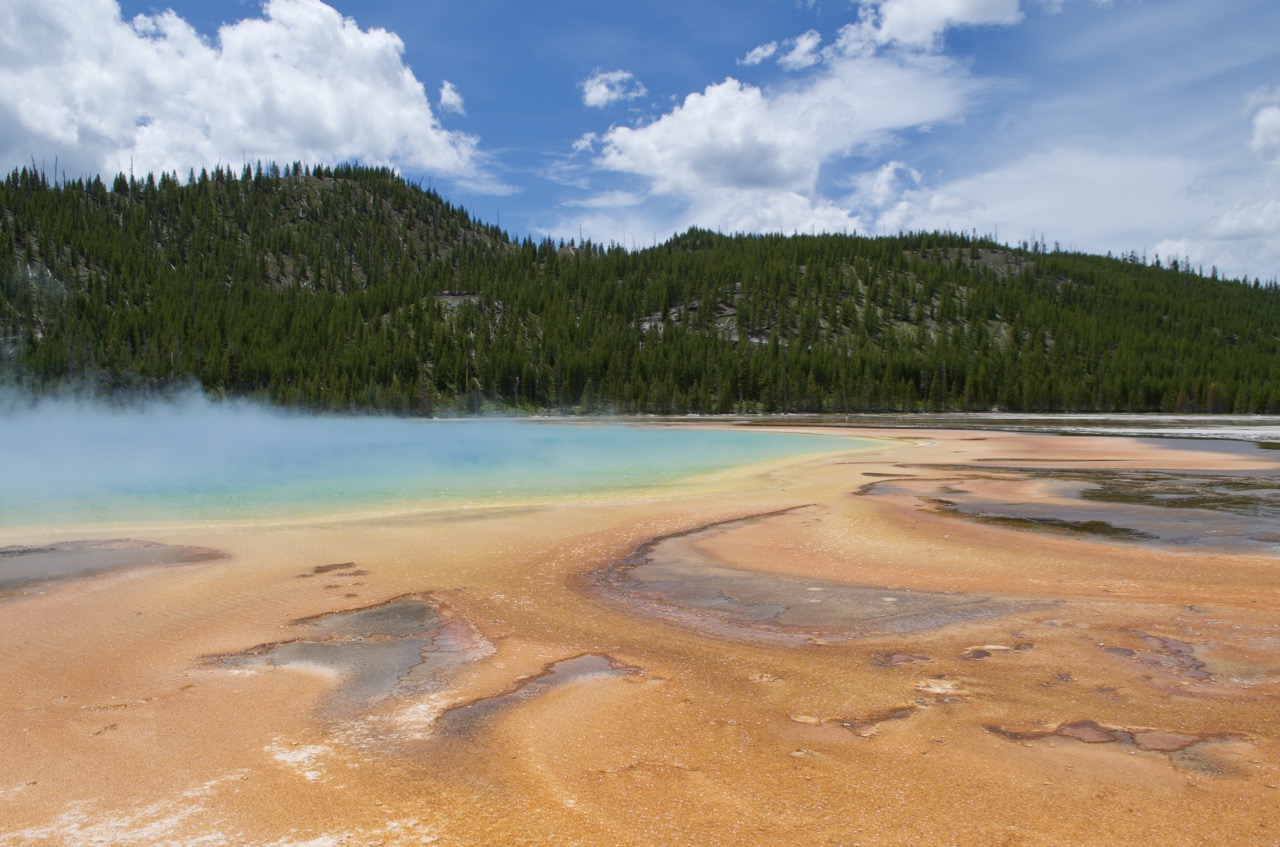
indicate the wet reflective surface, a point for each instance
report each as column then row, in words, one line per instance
column 1239, row 510
column 676, row 578
column 23, row 566
column 800, row 654
column 396, row 649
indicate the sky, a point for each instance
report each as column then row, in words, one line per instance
column 1150, row 126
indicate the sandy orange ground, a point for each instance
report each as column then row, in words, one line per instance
column 115, row 727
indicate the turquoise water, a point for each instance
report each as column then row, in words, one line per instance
column 65, row 463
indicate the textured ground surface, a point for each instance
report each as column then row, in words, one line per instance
column 936, row 642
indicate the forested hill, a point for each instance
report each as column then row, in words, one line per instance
column 349, row 288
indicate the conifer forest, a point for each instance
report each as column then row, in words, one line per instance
column 350, row 288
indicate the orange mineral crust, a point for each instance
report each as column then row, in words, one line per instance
column 950, row 638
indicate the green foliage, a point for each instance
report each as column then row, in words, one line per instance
column 349, row 288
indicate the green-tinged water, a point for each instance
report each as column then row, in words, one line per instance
column 68, row 464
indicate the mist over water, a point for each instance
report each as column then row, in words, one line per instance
column 69, row 461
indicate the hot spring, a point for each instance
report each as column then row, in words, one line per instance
column 74, row 463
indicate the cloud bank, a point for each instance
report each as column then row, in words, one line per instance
column 301, row 82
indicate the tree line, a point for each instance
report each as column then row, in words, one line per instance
column 348, row 287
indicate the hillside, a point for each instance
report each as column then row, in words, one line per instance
column 349, row 288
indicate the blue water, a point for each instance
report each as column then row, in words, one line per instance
column 68, row 463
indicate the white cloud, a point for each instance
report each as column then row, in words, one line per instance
column 299, row 83
column 1250, row 217
column 752, row 210
column 803, row 52
column 1244, row 237
column 637, row 220
column 566, row 172
column 734, row 134
column 451, row 100
column 920, row 23
column 723, row 137
column 604, row 88
column 739, row 157
column 884, row 131
column 1089, row 199
column 608, row 200
column 884, row 187
column 759, row 54
column 1054, row 7
column 1266, row 131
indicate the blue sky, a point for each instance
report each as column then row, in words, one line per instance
column 1145, row 125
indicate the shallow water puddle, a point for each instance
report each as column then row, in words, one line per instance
column 23, row 566
column 1214, row 755
column 670, row 576
column 1236, row 510
column 406, row 646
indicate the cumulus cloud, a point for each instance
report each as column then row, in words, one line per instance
column 741, row 157
column 301, row 82
column 723, row 137
column 734, row 134
column 603, row 88
column 451, row 100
